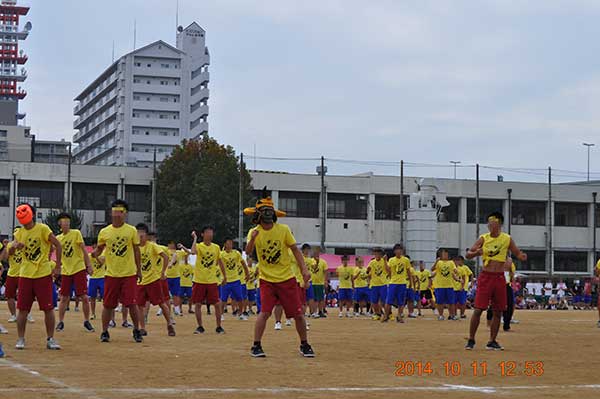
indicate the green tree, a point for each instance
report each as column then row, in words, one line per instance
column 51, row 219
column 197, row 185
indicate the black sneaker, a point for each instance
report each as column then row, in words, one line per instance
column 199, row 330
column 143, row 333
column 470, row 345
column 493, row 345
column 88, row 326
column 105, row 336
column 306, row 350
column 257, row 351
column 137, row 336
column 60, row 326
column 220, row 330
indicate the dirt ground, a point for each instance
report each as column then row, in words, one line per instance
column 356, row 358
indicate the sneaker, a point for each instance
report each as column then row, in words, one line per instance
column 143, row 332
column 463, row 316
column 514, row 321
column 88, row 326
column 277, row 325
column 400, row 319
column 60, row 326
column 412, row 316
column 306, row 350
column 20, row 344
column 190, row 311
column 137, row 336
column 350, row 314
column 288, row 322
column 1, row 351
column 30, row 318
column 171, row 330
column 159, row 313
column 12, row 318
column 315, row 316
column 220, row 330
column 104, row 337
column 93, row 317
column 340, row 315
column 375, row 317
column 52, row 344
column 76, row 309
column 112, row 324
column 251, row 312
column 322, row 315
column 257, row 351
column 199, row 330
column 3, row 330
column 127, row 324
column 598, row 323
column 441, row 318
column 173, row 322
column 470, row 344
column 385, row 319
column 493, row 345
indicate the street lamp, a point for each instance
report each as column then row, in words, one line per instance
column 455, row 163
column 588, row 145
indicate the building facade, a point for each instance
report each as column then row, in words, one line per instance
column 49, row 151
column 148, row 100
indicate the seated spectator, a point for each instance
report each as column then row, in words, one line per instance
column 552, row 302
column 520, row 302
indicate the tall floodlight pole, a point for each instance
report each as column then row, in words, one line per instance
column 589, row 146
column 455, row 163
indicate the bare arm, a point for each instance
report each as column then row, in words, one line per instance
column 246, row 270
column 193, row 249
column 222, row 266
column 522, row 256
column 251, row 243
column 54, row 241
column 183, row 248
column 476, row 250
column 99, row 248
column 299, row 260
column 138, row 261
column 86, row 258
column 165, row 263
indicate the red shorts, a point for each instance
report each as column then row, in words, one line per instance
column 121, row 289
column 38, row 288
column 205, row 292
column 78, row 280
column 164, row 285
column 301, row 294
column 10, row 286
column 491, row 290
column 284, row 293
column 150, row 292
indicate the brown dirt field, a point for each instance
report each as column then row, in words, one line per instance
column 356, row 358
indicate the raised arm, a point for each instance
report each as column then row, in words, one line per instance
column 522, row 256
column 195, row 239
column 476, row 250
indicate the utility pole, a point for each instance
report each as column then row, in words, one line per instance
column 589, row 146
column 455, row 163
column 322, row 170
column 69, row 162
column 241, row 204
column 153, row 211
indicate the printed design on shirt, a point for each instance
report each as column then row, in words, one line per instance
column 18, row 257
column 119, row 247
column 424, row 279
column 230, row 264
column 272, row 252
column 146, row 262
column 445, row 271
column 378, row 270
column 492, row 249
column 314, row 268
column 97, row 265
column 207, row 260
column 186, row 273
column 68, row 248
column 33, row 249
column 400, row 269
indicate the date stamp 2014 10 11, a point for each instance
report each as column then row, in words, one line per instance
column 508, row 368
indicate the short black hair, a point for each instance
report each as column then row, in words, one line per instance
column 305, row 246
column 171, row 242
column 143, row 227
column 377, row 250
column 498, row 215
column 207, row 227
column 345, row 257
column 398, row 246
column 440, row 251
column 228, row 239
column 120, row 202
column 63, row 215
column 459, row 257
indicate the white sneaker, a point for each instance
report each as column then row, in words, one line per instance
column 514, row 321
column 350, row 314
column 159, row 313
column 243, row 317
column 340, row 315
column 52, row 344
column 222, row 317
column 173, row 320
column 20, row 344
column 277, row 325
column 307, row 325
column 440, row 318
column 76, row 309
column 435, row 312
column 288, row 322
column 119, row 309
column 30, row 318
column 177, row 311
column 315, row 316
column 12, row 318
column 3, row 330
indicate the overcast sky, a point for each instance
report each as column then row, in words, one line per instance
column 512, row 83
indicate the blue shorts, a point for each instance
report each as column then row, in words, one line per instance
column 577, row 299
column 258, row 307
column 233, row 290
column 410, row 295
column 444, row 296
column 396, row 294
column 252, row 295
column 244, row 292
column 460, row 297
column 345, row 294
column 185, row 292
column 96, row 288
column 310, row 294
column 587, row 299
column 378, row 294
column 362, row 294
column 174, row 286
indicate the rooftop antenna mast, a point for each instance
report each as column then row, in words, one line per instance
column 177, row 15
column 113, row 51
column 134, row 33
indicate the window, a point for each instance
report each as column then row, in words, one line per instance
column 164, row 65
column 44, row 194
column 136, row 98
column 531, row 213
column 598, row 215
column 149, row 65
column 138, row 64
column 536, row 261
column 3, row 133
column 387, row 207
column 450, row 213
column 4, row 192
column 570, row 261
column 136, row 80
column 138, row 198
column 93, row 196
column 299, row 204
column 164, row 99
column 486, row 206
column 347, row 206
column 570, row 214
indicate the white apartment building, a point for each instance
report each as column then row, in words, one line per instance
column 150, row 99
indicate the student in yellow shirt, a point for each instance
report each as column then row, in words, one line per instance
column 277, row 282
column 309, row 299
column 318, row 276
column 242, row 268
column 444, row 274
column 75, row 268
column 460, row 288
column 174, row 275
column 186, row 271
column 232, row 260
column 377, row 282
column 96, row 283
column 123, row 268
column 360, row 280
column 35, row 277
column 251, row 283
column 345, row 274
column 411, row 293
column 424, row 287
column 205, row 287
column 398, row 268
column 12, row 279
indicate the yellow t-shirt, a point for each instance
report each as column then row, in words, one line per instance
column 98, row 268
column 72, row 255
column 251, row 283
column 187, row 274
column 414, row 276
column 172, row 269
column 495, row 248
column 468, row 276
column 598, row 267
column 443, row 274
column 296, row 269
column 232, row 261
column 36, row 251
column 424, row 277
column 14, row 261
column 462, row 273
column 150, row 255
column 377, row 273
column 361, row 277
column 274, row 263
column 180, row 255
column 309, row 262
column 345, row 274
column 241, row 273
column 207, row 265
column 119, row 256
column 317, row 272
column 399, row 268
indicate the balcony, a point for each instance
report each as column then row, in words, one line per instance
column 101, row 89
column 156, row 88
column 156, row 122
